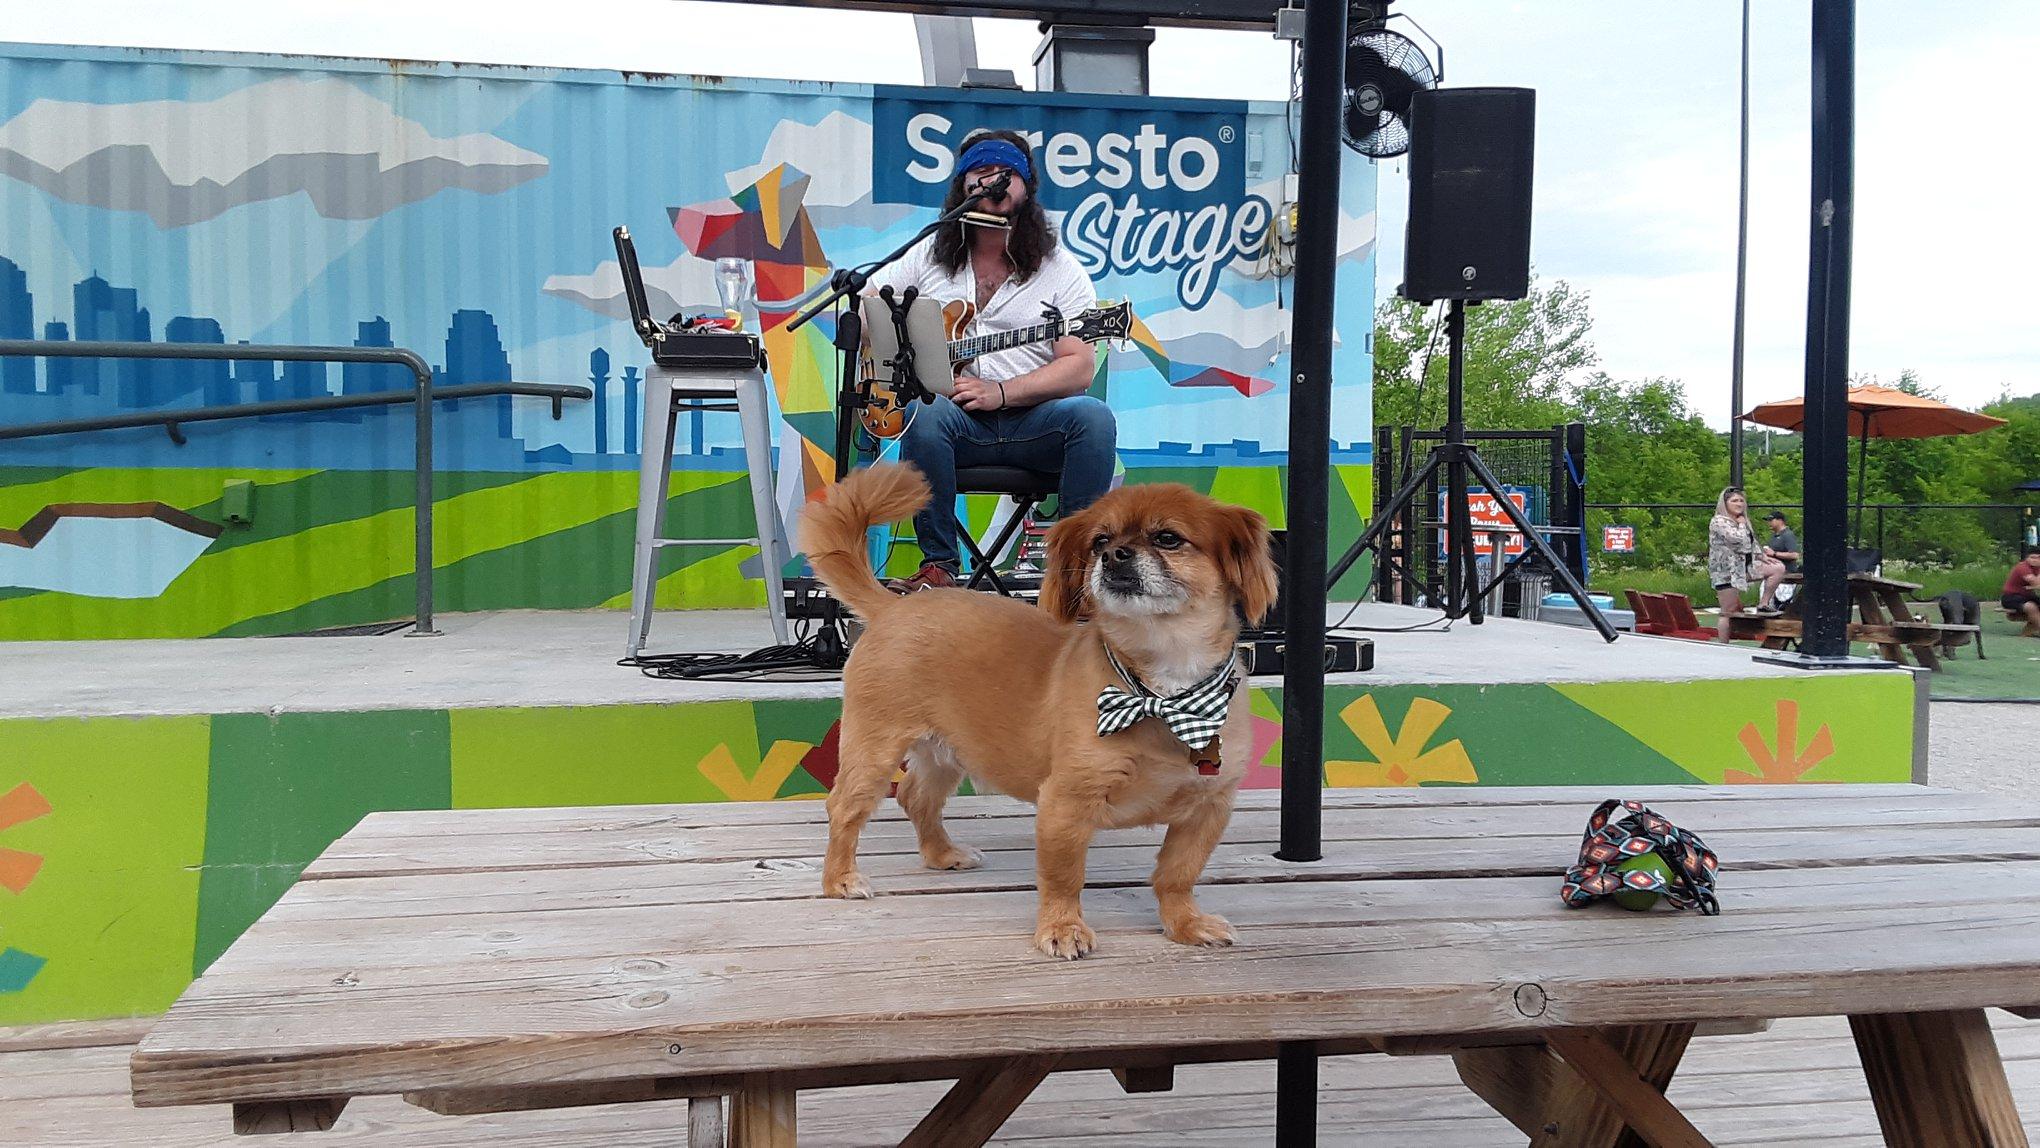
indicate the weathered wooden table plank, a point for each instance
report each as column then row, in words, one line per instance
column 1130, row 865
column 717, row 815
column 299, row 938
column 411, row 843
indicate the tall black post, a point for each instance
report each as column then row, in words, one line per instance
column 1460, row 559
column 1310, row 467
column 1742, row 272
column 1827, row 330
column 1310, row 431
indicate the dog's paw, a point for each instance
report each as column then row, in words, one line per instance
column 1068, row 940
column 1206, row 929
column 852, row 887
column 954, row 857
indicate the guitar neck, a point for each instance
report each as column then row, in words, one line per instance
column 979, row 345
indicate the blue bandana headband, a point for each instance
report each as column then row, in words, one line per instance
column 995, row 153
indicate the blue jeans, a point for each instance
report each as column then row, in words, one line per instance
column 1072, row 437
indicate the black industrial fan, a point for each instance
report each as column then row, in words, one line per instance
column 1383, row 70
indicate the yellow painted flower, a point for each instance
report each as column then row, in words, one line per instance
column 1782, row 761
column 1400, row 759
column 721, row 770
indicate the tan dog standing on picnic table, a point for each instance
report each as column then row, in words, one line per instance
column 1118, row 702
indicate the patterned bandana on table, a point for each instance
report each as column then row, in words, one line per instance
column 1195, row 716
column 1609, row 843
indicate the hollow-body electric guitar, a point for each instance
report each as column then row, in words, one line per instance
column 886, row 411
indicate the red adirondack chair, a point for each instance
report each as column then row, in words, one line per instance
column 1638, row 607
column 1673, row 614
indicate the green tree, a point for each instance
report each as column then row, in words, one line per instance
column 1521, row 356
column 1529, row 365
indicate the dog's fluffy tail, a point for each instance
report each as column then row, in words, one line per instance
column 832, row 530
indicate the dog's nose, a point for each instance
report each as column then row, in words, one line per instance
column 1122, row 554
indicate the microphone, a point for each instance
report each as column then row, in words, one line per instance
column 993, row 188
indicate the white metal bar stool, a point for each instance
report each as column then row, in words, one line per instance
column 721, row 388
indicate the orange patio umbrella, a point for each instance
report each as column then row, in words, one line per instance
column 1881, row 412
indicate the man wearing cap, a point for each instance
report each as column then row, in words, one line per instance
column 1784, row 545
column 1024, row 406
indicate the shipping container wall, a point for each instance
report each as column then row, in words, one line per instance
column 465, row 212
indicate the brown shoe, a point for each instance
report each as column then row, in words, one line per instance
column 931, row 576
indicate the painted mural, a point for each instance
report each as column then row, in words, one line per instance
column 465, row 212
column 133, row 851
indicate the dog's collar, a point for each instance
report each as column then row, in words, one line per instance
column 1195, row 716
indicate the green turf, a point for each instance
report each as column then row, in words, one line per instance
column 2010, row 667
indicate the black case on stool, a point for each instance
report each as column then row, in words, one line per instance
column 672, row 345
column 707, row 349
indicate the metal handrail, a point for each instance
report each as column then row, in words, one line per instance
column 171, row 420
column 422, row 398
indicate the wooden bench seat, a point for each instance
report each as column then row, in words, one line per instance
column 1917, row 634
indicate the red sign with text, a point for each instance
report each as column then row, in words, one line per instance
column 1485, row 511
column 1618, row 539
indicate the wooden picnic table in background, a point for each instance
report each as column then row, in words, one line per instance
column 1883, row 617
column 489, row 960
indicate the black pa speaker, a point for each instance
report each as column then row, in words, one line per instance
column 1469, row 229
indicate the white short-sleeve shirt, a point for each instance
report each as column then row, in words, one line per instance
column 1061, row 281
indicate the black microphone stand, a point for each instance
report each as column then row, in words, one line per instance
column 851, row 281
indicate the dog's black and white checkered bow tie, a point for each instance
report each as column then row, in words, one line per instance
column 1195, row 716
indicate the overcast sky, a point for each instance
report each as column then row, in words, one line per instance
column 1636, row 156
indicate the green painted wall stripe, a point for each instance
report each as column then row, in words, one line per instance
column 284, row 787
column 172, row 486
column 330, row 496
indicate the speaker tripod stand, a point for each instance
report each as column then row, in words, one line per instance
column 1458, row 460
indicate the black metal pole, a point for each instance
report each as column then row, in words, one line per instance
column 1459, row 541
column 1296, row 1078
column 1310, row 468
column 1826, row 456
column 1742, row 266
column 849, row 387
column 1862, row 473
column 1310, row 432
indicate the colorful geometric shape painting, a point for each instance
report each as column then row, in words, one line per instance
column 767, row 224
column 17, row 868
column 1182, row 374
column 17, row 968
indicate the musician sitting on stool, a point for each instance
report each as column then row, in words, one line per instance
column 1022, row 407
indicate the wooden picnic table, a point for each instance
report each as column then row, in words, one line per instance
column 1883, row 618
column 488, row 960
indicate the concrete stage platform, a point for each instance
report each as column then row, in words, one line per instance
column 157, row 796
column 569, row 658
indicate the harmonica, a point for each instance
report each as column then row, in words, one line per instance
column 987, row 219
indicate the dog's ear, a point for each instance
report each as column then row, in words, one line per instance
column 1244, row 560
column 1066, row 581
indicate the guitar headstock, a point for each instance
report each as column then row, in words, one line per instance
column 1113, row 321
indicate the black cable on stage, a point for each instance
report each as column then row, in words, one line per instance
column 812, row 657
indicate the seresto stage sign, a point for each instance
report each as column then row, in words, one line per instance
column 1147, row 186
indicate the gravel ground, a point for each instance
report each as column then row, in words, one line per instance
column 1985, row 748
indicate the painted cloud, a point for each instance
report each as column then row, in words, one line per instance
column 687, row 278
column 838, row 153
column 186, row 162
